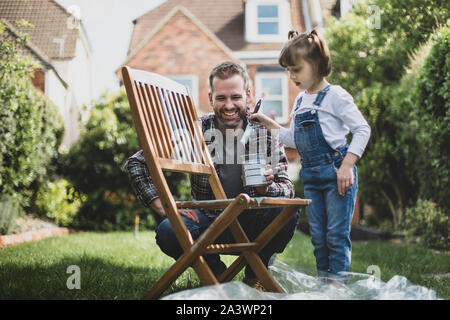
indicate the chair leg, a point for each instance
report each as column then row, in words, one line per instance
column 254, row 260
column 169, row 276
column 204, row 273
column 232, row 270
column 273, row 228
column 201, row 268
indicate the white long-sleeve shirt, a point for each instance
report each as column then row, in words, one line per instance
column 338, row 115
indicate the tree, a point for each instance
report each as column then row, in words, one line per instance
column 370, row 61
column 432, row 111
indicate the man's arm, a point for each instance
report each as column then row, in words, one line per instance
column 145, row 190
column 142, row 183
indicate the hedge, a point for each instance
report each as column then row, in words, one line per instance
column 31, row 127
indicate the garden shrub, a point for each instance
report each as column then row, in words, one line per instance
column 94, row 166
column 9, row 210
column 58, row 201
column 432, row 111
column 427, row 225
column 371, row 63
column 31, row 127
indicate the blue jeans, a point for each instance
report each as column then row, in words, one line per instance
column 252, row 221
column 329, row 218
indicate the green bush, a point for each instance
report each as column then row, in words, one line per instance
column 427, row 225
column 371, row 63
column 94, row 166
column 31, row 127
column 432, row 112
column 9, row 210
column 58, row 201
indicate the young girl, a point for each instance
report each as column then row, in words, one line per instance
column 322, row 116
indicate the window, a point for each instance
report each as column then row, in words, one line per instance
column 267, row 20
column 190, row 81
column 273, row 87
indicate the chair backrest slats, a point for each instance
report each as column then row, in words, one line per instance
column 187, row 135
column 179, row 127
column 170, row 121
column 164, row 133
column 166, row 114
column 191, row 123
column 149, row 118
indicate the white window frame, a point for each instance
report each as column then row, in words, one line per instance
column 194, row 80
column 251, row 21
column 283, row 97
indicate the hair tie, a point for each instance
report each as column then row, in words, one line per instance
column 312, row 34
column 292, row 34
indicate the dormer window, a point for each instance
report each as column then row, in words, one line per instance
column 267, row 20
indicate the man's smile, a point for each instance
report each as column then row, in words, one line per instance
column 230, row 115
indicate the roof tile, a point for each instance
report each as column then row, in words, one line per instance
column 223, row 18
column 52, row 34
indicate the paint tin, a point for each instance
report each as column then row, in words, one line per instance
column 253, row 166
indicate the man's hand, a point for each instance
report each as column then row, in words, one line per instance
column 158, row 207
column 269, row 174
column 190, row 214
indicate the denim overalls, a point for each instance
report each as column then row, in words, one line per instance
column 330, row 214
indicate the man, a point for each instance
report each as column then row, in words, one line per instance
column 229, row 96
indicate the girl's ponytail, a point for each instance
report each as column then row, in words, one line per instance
column 314, row 49
column 319, row 42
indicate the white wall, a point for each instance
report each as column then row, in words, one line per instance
column 80, row 74
column 55, row 90
column 77, row 73
column 62, row 97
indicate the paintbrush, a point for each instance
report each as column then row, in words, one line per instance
column 249, row 128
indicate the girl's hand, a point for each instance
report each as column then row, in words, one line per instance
column 264, row 120
column 345, row 177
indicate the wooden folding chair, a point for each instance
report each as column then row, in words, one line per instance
column 167, row 126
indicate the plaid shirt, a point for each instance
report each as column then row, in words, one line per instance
column 282, row 186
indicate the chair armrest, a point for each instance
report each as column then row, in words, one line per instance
column 254, row 203
column 204, row 204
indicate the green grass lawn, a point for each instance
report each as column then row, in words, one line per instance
column 121, row 266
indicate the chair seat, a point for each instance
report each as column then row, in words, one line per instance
column 255, row 203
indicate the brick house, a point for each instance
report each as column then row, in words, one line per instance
column 184, row 39
column 60, row 45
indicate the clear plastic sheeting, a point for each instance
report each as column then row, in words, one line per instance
column 300, row 286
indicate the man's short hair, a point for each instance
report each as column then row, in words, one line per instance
column 227, row 69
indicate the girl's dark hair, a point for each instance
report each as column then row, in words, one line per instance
column 309, row 46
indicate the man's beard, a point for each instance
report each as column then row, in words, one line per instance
column 227, row 123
